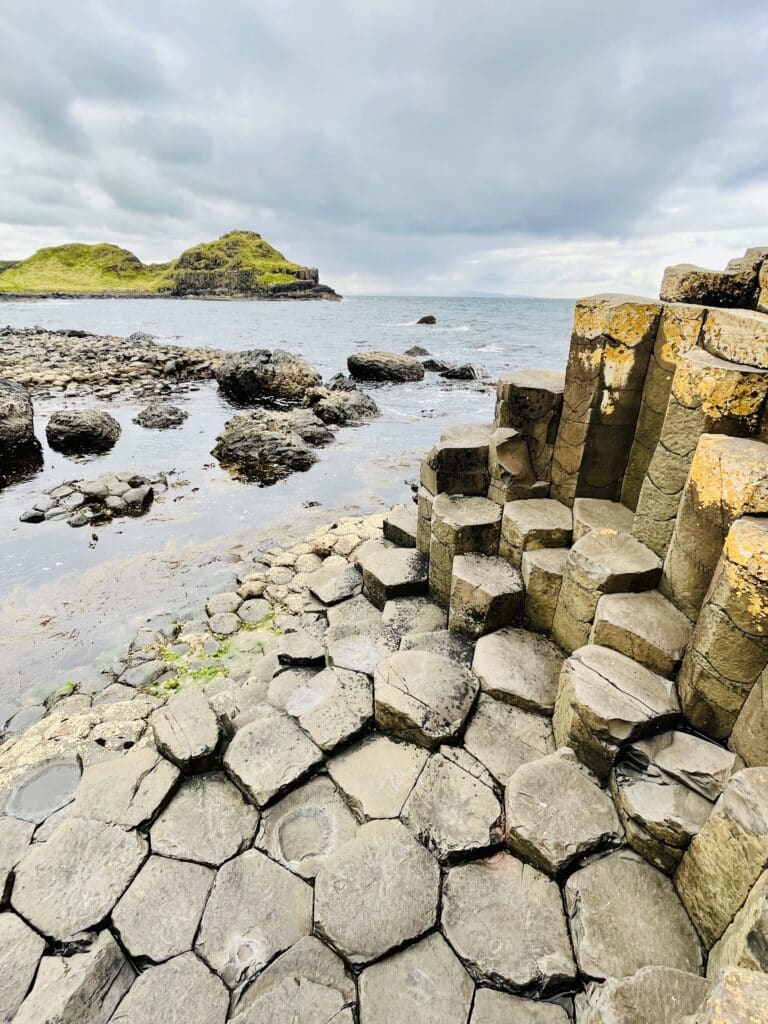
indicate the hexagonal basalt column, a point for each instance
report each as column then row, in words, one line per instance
column 459, row 525
column 542, row 570
column 486, row 594
column 459, row 463
column 512, row 475
column 709, row 396
column 728, row 479
column 745, row 941
column 391, row 572
column 737, row 285
column 611, row 343
column 598, row 514
column 602, row 562
column 645, row 627
column 532, row 524
column 424, row 520
column 729, row 647
column 750, row 733
column 531, row 401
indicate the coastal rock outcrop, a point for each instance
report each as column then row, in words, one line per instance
column 98, row 500
column 21, row 449
column 384, row 366
column 160, row 416
column 260, row 376
column 81, row 431
column 266, row 446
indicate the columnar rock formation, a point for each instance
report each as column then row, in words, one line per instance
column 499, row 757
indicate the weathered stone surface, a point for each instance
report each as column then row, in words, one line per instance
column 624, row 915
column 86, row 986
column 509, row 463
column 602, row 562
column 734, row 286
column 729, row 647
column 256, row 910
column 15, row 837
column 744, row 942
column 452, row 809
column 519, row 668
column 556, row 814
column 739, row 997
column 459, row 525
column 532, row 524
column 400, row 525
column 459, row 463
column 301, row 648
column 127, row 790
column 208, row 821
column 728, row 479
column 309, row 960
column 259, row 376
column 186, row 730
column 17, row 426
column 303, row 829
column 183, row 987
column 728, row 855
column 605, row 699
column 296, row 999
column 611, row 344
column 750, row 733
column 491, row 1007
column 531, row 401
column 503, row 737
column 708, row 396
column 414, row 615
column 330, row 706
column 520, row 939
column 377, row 775
column 422, row 697
column 645, row 627
column 157, row 415
column 390, row 572
column 424, row 520
column 72, row 881
column 598, row 514
column 653, row 995
column 265, row 445
column 738, row 335
column 82, row 430
column 360, row 648
column 542, row 571
column 376, row 892
column 335, row 580
column 439, row 641
column 486, row 594
column 159, row 914
column 356, row 611
column 43, row 791
column 665, row 788
column 424, row 984
column 270, row 754
column 384, row 366
column 20, row 952
column 219, row 604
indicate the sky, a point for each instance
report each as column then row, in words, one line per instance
column 432, row 147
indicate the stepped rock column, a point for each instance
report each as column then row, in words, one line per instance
column 729, row 647
column 709, row 396
column 459, row 526
column 531, row 401
column 611, row 344
column 679, row 330
column 749, row 738
column 728, row 479
column 738, row 335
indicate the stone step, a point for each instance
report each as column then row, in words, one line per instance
column 390, row 572
column 400, row 525
column 599, row 514
column 459, row 525
column 520, row 668
column 458, row 464
column 602, row 562
column 645, row 627
column 531, row 401
column 486, row 594
column 542, row 570
column 509, row 464
column 534, row 523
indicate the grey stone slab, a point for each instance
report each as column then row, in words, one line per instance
column 390, row 572
column 377, row 774
column 127, row 790
column 491, row 1007
column 534, row 523
column 44, row 790
column 184, row 988
column 186, row 729
column 331, row 706
column 336, row 580
column 360, row 648
column 414, row 615
column 645, row 627
column 519, row 668
column 20, row 951
column 504, row 737
column 487, row 593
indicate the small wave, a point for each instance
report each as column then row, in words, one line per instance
column 489, row 348
column 431, row 328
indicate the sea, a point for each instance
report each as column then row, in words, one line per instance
column 71, row 599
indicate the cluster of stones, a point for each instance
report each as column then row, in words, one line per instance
column 391, row 368
column 487, row 759
column 97, row 500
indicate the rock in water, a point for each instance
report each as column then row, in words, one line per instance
column 160, row 416
column 268, row 446
column 464, row 372
column 416, row 350
column 384, row 366
column 273, row 378
column 77, row 431
column 342, row 406
column 428, row 319
column 17, row 431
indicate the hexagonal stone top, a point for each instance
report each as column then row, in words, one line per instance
column 376, row 892
column 612, row 561
column 186, row 729
column 503, row 737
column 332, row 705
column 493, row 1007
column 505, row 920
column 127, row 790
column 377, row 775
column 423, row 697
column 519, row 667
column 180, row 991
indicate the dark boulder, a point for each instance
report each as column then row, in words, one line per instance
column 384, row 366
column 342, row 407
column 17, row 428
column 465, row 372
column 160, row 416
column 259, row 376
column 428, row 319
column 267, row 446
column 75, row 431
column 436, row 365
column 417, row 350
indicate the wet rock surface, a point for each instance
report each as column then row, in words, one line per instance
column 384, row 366
column 77, row 431
column 90, row 502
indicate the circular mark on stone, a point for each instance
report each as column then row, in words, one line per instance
column 304, row 833
column 43, row 791
column 303, row 700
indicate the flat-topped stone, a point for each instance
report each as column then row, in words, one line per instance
column 330, row 706
column 400, row 525
column 186, row 730
column 376, row 892
column 531, row 401
column 519, row 668
column 384, row 366
column 452, row 809
column 459, row 525
column 532, row 524
column 503, row 737
column 492, row 1007
column 440, row 641
column 20, row 951
column 127, row 790
column 187, row 991
column 377, row 774
column 390, row 572
column 624, row 915
column 738, row 335
column 42, row 791
column 598, row 514
column 555, row 813
column 735, row 286
column 652, row 995
column 643, row 626
column 335, row 580
column 353, row 611
column 414, row 615
column 520, row 940
column 542, row 570
column 360, row 647
column 605, row 699
column 422, row 697
column 486, row 594
column 458, row 464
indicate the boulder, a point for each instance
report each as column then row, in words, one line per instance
column 458, row 464
column 531, row 402
column 267, row 446
column 384, row 366
column 466, row 371
column 259, row 376
column 428, row 319
column 17, row 427
column 416, row 351
column 342, row 406
column 160, row 416
column 77, row 431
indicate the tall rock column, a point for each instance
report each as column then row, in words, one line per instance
column 728, row 479
column 679, row 330
column 531, row 401
column 611, row 344
column 729, row 646
column 709, row 396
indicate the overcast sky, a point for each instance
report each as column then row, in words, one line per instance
column 538, row 147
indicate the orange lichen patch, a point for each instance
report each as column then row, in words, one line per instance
column 747, row 545
column 625, row 318
column 720, row 389
column 679, row 330
column 731, row 473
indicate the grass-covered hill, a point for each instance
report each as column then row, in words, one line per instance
column 240, row 263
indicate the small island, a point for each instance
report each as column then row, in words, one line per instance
column 240, row 264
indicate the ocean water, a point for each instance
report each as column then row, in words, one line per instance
column 69, row 602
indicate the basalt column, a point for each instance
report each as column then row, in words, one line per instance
column 611, row 344
column 709, row 396
column 531, row 401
